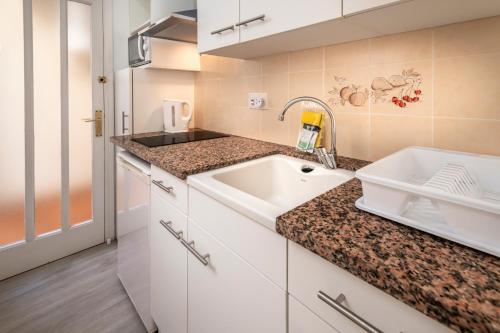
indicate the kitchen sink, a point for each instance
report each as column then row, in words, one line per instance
column 265, row 188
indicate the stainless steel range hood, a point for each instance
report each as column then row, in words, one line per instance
column 180, row 26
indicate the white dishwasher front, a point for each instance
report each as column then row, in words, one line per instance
column 132, row 230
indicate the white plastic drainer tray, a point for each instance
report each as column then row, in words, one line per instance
column 457, row 194
column 432, row 224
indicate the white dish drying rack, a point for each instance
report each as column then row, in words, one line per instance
column 450, row 194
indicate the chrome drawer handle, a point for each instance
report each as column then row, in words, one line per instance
column 221, row 30
column 190, row 246
column 168, row 226
column 250, row 20
column 159, row 183
column 337, row 305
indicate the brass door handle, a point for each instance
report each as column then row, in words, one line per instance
column 97, row 122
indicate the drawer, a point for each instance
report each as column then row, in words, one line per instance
column 171, row 188
column 168, row 267
column 262, row 248
column 308, row 274
column 303, row 320
column 161, row 209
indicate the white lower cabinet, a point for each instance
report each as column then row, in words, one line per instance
column 303, row 320
column 309, row 275
column 228, row 295
column 205, row 278
column 168, row 267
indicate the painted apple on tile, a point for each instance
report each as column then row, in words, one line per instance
column 344, row 92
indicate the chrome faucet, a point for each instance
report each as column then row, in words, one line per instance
column 328, row 158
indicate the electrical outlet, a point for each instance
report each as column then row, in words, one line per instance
column 257, row 100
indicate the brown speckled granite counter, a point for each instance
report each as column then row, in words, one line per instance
column 455, row 285
column 186, row 159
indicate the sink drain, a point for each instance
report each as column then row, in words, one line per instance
column 307, row 168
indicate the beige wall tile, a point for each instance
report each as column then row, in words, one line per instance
column 276, row 86
column 477, row 136
column 384, row 104
column 392, row 133
column 353, row 135
column 348, row 54
column 222, row 118
column 247, row 85
column 306, row 60
column 252, row 67
column 468, row 86
column 248, row 123
column 230, row 91
column 277, row 63
column 347, row 77
column 306, row 84
column 272, row 129
column 209, row 67
column 408, row 46
column 294, row 124
column 229, row 67
column 478, row 36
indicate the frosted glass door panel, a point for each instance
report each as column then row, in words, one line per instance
column 12, row 122
column 47, row 115
column 80, row 107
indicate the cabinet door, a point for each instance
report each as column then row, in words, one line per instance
column 351, row 7
column 284, row 16
column 228, row 295
column 303, row 320
column 123, row 101
column 168, row 268
column 214, row 16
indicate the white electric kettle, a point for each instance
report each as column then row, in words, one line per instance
column 173, row 118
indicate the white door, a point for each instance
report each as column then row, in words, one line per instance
column 217, row 24
column 52, row 145
column 271, row 17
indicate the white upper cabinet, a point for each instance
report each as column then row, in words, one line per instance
column 164, row 8
column 216, row 24
column 271, row 17
column 268, row 27
column 351, row 7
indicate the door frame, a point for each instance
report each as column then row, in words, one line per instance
column 35, row 251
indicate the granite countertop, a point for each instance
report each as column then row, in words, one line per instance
column 453, row 284
column 456, row 285
column 189, row 158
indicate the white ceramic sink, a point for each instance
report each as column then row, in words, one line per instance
column 265, row 188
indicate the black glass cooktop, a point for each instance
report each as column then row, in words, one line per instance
column 173, row 138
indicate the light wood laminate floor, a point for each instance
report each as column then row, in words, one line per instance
column 77, row 294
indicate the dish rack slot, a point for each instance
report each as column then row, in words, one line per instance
column 455, row 179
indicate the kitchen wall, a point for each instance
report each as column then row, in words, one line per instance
column 151, row 87
column 446, row 82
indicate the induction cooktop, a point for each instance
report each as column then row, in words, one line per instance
column 174, row 138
